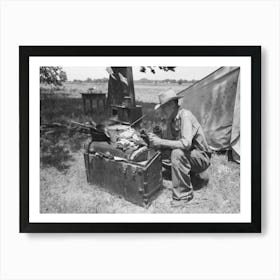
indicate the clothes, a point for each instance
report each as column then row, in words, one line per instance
column 194, row 158
column 182, row 163
column 187, row 129
column 117, row 86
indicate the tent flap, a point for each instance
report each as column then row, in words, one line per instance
column 215, row 101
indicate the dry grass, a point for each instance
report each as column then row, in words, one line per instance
column 69, row 192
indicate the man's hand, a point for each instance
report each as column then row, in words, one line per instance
column 158, row 142
column 155, row 141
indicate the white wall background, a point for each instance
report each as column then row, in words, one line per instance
column 124, row 256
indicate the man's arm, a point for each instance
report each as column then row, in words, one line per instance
column 171, row 144
column 186, row 136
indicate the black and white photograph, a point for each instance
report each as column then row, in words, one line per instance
column 146, row 139
column 124, row 140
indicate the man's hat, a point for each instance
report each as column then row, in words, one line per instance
column 166, row 97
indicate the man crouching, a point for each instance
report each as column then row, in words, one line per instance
column 190, row 154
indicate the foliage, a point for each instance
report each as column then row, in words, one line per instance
column 54, row 152
column 52, row 75
column 153, row 68
column 57, row 145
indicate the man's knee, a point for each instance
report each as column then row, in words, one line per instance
column 176, row 155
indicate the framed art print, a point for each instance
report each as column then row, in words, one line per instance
column 140, row 138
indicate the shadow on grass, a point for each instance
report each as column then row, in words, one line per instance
column 61, row 162
column 56, row 151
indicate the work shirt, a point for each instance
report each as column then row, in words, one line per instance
column 187, row 129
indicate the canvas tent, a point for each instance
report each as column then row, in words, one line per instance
column 215, row 101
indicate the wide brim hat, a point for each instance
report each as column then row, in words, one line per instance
column 165, row 97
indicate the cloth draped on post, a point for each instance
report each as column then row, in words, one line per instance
column 117, row 86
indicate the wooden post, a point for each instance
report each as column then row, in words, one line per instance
column 84, row 102
column 104, row 103
column 90, row 102
column 98, row 104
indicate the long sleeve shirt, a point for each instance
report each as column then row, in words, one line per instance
column 188, row 131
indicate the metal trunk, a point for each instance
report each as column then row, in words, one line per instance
column 136, row 183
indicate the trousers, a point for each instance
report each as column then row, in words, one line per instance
column 183, row 163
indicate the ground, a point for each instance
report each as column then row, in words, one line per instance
column 63, row 184
column 69, row 192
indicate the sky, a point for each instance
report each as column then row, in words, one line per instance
column 186, row 73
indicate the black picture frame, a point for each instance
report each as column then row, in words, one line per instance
column 25, row 52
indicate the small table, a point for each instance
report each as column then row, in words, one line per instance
column 97, row 97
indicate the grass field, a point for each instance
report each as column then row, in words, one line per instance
column 63, row 185
column 69, row 192
column 143, row 92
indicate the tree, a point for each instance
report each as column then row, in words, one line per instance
column 52, row 75
column 88, row 80
column 144, row 81
column 153, row 68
